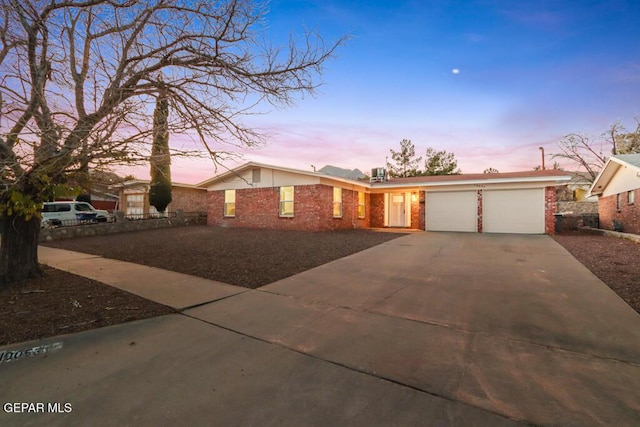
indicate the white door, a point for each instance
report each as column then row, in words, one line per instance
column 452, row 211
column 396, row 210
column 513, row 211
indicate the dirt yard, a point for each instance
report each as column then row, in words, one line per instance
column 63, row 303
column 614, row 260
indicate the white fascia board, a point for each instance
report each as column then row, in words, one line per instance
column 603, row 178
column 551, row 180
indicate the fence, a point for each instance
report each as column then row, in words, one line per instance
column 121, row 224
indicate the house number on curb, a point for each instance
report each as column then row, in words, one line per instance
column 13, row 355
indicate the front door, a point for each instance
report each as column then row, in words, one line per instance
column 396, row 210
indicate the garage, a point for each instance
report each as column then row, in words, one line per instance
column 513, row 211
column 452, row 211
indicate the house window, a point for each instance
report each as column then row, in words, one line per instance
column 255, row 175
column 631, row 197
column 618, row 202
column 134, row 204
column 230, row 203
column 337, row 202
column 286, row 201
column 360, row 204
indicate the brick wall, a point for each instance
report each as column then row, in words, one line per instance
column 422, row 197
column 628, row 216
column 550, row 210
column 479, row 212
column 415, row 211
column 377, row 210
column 312, row 209
column 188, row 199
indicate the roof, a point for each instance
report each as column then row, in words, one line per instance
column 134, row 182
column 631, row 159
column 481, row 176
column 610, row 168
column 524, row 176
column 253, row 165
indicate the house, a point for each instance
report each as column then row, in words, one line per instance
column 572, row 197
column 134, row 198
column 267, row 196
column 618, row 187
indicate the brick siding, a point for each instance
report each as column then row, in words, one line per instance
column 422, row 221
column 550, row 210
column 377, row 210
column 628, row 216
column 479, row 212
column 312, row 209
column 415, row 211
column 188, row 200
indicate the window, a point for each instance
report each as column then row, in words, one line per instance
column 337, row 202
column 83, row 207
column 255, row 175
column 618, row 202
column 286, row 201
column 360, row 204
column 229, row 202
column 134, row 204
column 631, row 197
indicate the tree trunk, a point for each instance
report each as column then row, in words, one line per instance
column 19, row 249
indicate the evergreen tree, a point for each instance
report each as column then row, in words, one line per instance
column 160, row 191
column 440, row 163
column 405, row 162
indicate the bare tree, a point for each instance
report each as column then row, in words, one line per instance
column 78, row 80
column 589, row 155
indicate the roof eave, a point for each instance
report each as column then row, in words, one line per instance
column 559, row 178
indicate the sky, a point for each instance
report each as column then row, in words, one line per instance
column 490, row 81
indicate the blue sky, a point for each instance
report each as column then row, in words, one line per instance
column 528, row 73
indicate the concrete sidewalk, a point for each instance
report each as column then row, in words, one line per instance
column 427, row 329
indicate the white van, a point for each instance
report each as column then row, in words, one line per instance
column 56, row 214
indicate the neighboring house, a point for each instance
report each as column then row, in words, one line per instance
column 618, row 190
column 99, row 200
column 572, row 197
column 134, row 198
column 266, row 196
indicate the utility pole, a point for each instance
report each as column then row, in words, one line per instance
column 542, row 150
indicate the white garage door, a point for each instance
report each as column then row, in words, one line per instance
column 513, row 211
column 452, row 211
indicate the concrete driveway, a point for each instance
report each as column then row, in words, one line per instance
column 427, row 329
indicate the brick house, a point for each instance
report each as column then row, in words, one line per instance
column 265, row 196
column 134, row 198
column 618, row 190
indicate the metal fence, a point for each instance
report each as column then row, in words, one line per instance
column 145, row 216
column 55, row 223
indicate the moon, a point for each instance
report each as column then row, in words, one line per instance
column 455, row 71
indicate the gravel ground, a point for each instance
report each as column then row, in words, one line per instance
column 63, row 303
column 614, row 260
column 242, row 257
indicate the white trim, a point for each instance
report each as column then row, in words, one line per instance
column 547, row 179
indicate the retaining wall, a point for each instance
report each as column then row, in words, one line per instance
column 121, row 226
